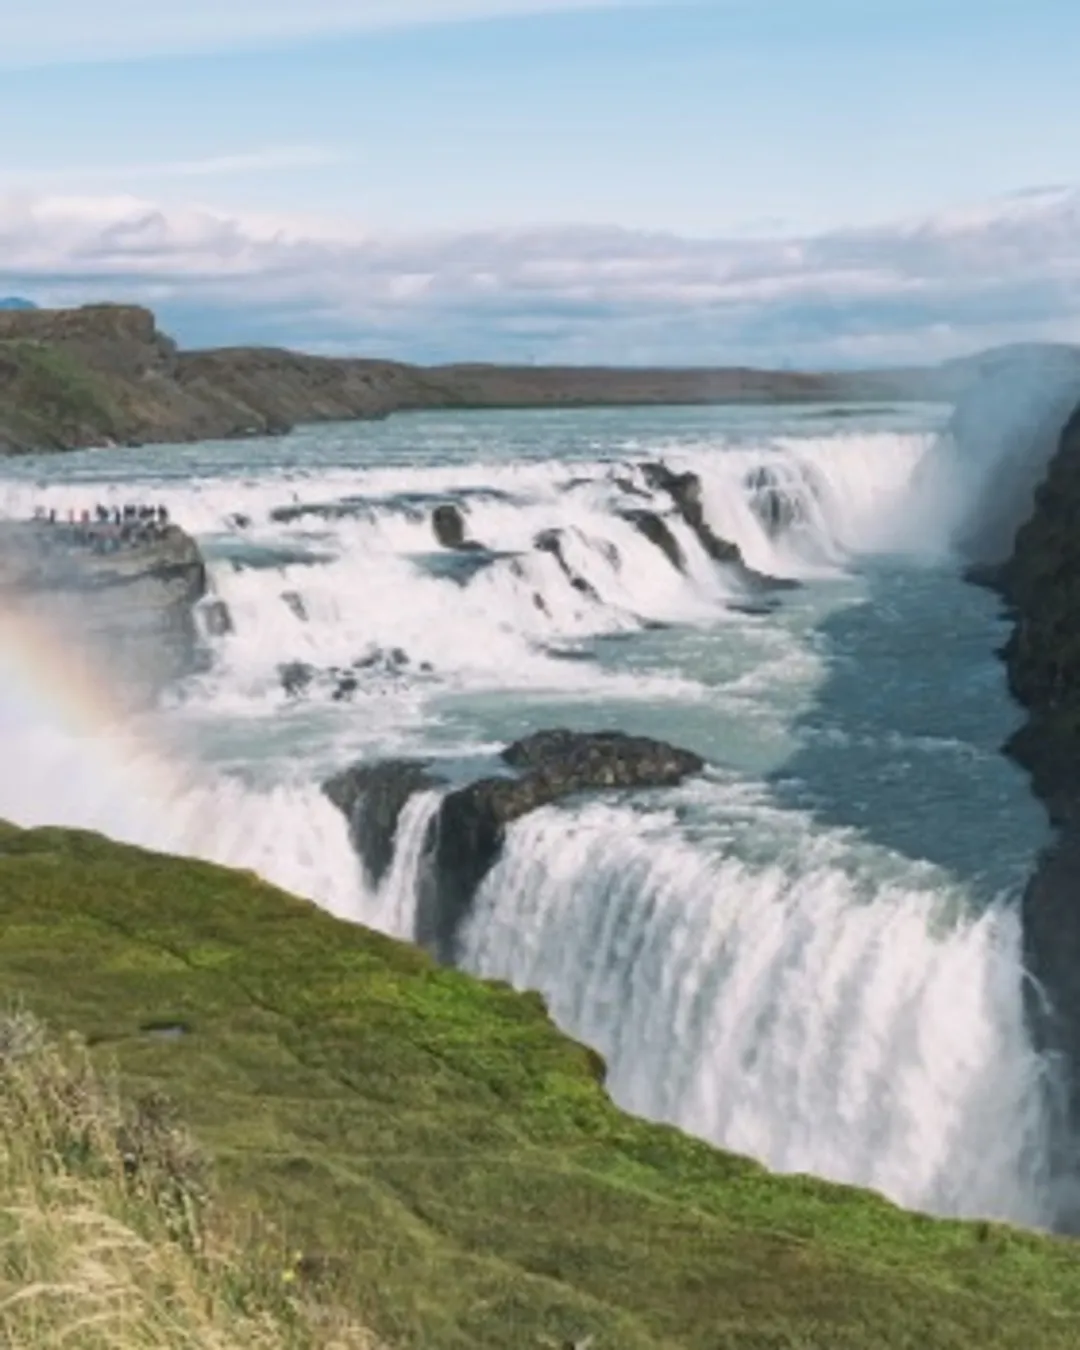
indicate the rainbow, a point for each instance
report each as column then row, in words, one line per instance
column 70, row 757
column 42, row 680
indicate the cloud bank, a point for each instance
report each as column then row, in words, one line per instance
column 914, row 291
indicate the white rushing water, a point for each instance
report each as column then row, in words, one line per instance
column 812, row 955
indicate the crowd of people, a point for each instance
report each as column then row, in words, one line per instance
column 105, row 529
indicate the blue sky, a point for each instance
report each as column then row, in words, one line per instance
column 365, row 127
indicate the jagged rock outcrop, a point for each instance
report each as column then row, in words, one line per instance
column 1041, row 584
column 341, row 683
column 128, row 614
column 685, row 491
column 658, row 533
column 469, row 831
column 467, row 834
column 372, row 798
column 551, row 542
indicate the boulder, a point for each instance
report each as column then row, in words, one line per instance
column 658, row 533
column 295, row 677
column 448, row 523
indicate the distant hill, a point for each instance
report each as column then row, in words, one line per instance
column 106, row 373
column 16, row 302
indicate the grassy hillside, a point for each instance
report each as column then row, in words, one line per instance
column 447, row 1165
column 110, row 1237
column 49, row 398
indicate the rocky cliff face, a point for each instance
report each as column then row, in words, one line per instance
column 1041, row 584
column 126, row 614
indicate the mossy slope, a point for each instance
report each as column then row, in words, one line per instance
column 450, row 1162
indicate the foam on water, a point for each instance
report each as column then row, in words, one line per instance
column 781, row 987
column 800, row 1009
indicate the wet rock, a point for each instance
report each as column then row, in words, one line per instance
column 658, row 533
column 346, row 686
column 551, row 541
column 570, row 654
column 628, row 486
column 685, row 491
column 341, row 683
column 754, row 609
column 372, row 798
column 610, row 553
column 468, row 833
column 296, row 604
column 448, row 524
column 776, row 508
column 217, row 620
column 393, row 660
column 990, row 576
column 296, row 677
column 239, row 521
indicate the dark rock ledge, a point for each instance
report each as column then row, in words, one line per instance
column 467, row 833
column 685, row 491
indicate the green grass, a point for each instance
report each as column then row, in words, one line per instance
column 450, row 1163
column 49, row 398
column 110, row 1237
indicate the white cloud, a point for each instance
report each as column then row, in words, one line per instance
column 915, row 291
column 47, row 31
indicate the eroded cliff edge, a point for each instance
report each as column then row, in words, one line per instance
column 106, row 374
column 1040, row 583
